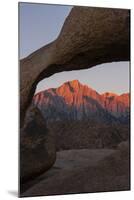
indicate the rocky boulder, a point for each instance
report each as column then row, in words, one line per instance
column 37, row 149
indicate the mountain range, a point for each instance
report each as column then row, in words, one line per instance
column 75, row 101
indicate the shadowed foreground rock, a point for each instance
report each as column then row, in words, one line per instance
column 85, row 170
column 37, row 149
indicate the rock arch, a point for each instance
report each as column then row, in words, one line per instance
column 89, row 36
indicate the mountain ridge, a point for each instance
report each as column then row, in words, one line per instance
column 77, row 101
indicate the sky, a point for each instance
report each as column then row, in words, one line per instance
column 109, row 77
column 40, row 24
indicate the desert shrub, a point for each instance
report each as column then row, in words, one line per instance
column 124, row 149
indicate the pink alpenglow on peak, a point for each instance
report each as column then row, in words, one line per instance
column 78, row 101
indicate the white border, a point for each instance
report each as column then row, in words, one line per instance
column 9, row 99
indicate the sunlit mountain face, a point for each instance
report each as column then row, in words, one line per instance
column 75, row 101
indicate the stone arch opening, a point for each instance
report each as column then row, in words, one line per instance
column 66, row 93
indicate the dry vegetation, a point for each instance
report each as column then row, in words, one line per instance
column 87, row 134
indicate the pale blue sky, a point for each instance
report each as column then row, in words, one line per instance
column 40, row 24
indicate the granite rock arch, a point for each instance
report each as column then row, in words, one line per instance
column 89, row 36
